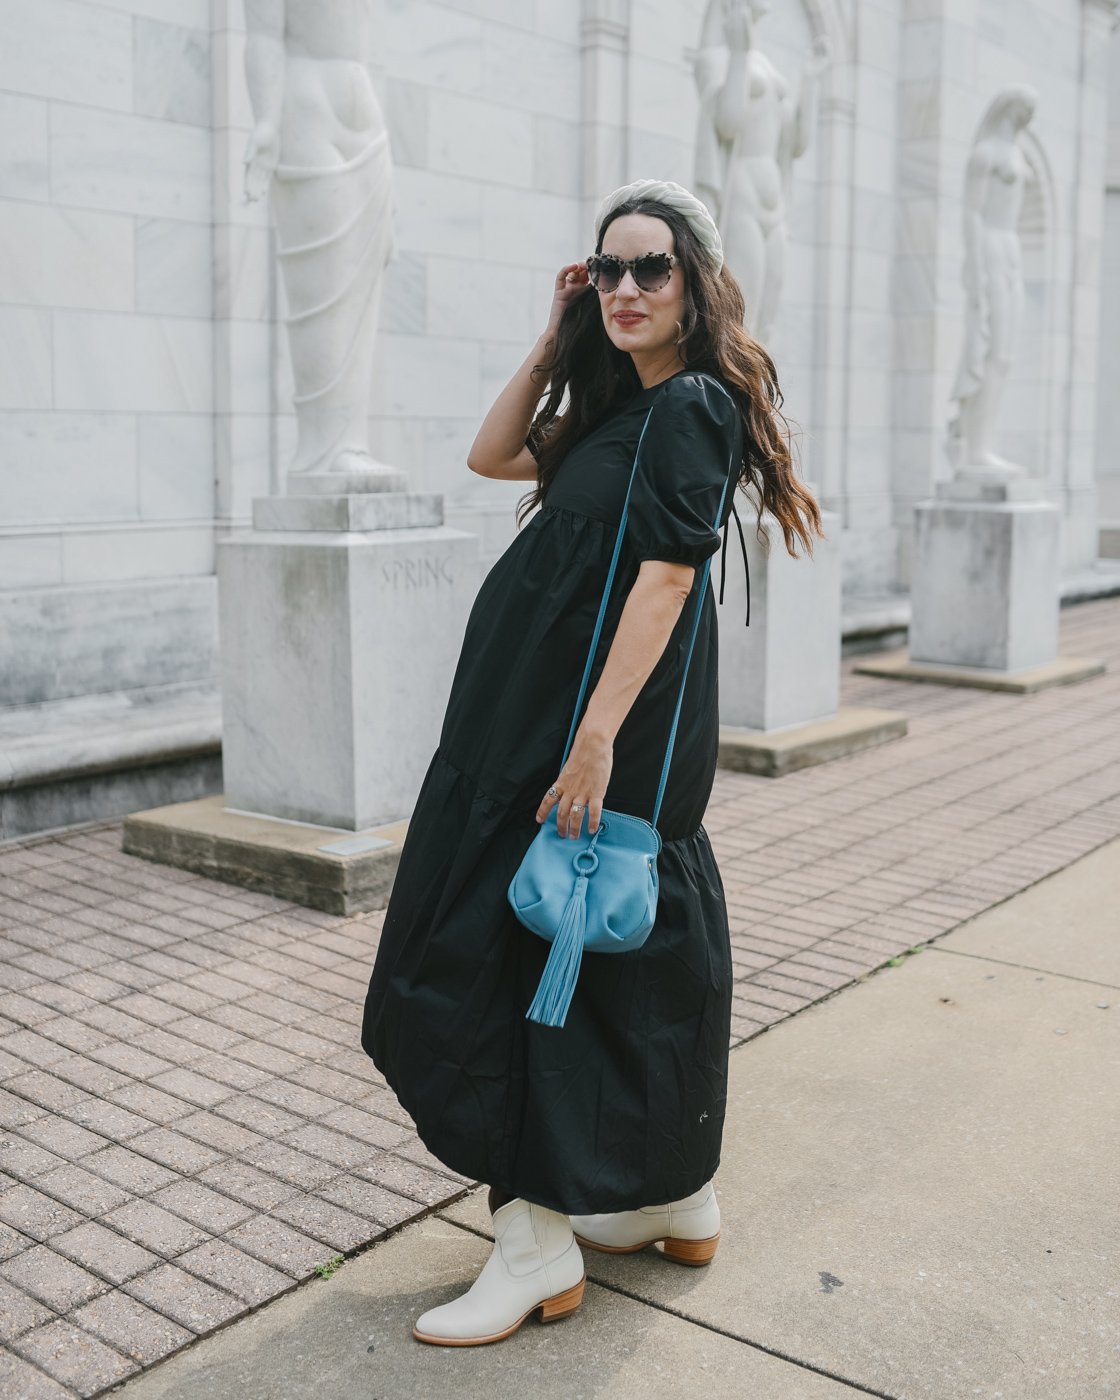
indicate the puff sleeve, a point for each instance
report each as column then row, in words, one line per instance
column 692, row 447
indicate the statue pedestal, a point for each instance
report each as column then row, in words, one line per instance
column 984, row 590
column 341, row 620
column 779, row 678
column 784, row 669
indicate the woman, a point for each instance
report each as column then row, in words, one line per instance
column 621, row 1110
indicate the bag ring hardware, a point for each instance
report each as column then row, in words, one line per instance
column 585, row 855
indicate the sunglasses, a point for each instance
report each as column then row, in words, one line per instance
column 651, row 271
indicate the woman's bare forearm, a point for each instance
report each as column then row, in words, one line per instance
column 644, row 629
column 499, row 448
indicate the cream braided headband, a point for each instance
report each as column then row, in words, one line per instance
column 675, row 197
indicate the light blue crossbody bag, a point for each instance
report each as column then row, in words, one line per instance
column 596, row 892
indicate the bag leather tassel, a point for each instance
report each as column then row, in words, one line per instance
column 561, row 971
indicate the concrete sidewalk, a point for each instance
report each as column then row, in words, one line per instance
column 919, row 1186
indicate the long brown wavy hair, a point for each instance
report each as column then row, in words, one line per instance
column 587, row 369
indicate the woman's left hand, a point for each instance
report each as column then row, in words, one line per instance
column 581, row 786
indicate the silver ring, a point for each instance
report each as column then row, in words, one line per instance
column 552, row 792
column 577, row 808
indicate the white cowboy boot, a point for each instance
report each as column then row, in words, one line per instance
column 689, row 1229
column 536, row 1263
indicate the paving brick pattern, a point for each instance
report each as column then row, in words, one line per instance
column 188, row 1125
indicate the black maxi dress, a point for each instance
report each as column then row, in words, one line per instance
column 622, row 1107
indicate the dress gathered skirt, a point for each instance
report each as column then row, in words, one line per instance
column 624, row 1105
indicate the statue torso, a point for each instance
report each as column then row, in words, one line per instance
column 330, row 112
column 754, row 177
column 1007, row 173
column 766, row 110
column 327, row 29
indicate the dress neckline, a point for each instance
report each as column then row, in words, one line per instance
column 662, row 382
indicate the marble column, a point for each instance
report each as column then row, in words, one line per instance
column 1098, row 19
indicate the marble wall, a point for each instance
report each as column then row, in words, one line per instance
column 144, row 392
column 106, row 342
column 105, row 292
column 483, row 104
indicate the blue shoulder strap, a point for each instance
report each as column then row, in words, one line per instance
column 603, row 612
column 606, row 596
column 687, row 661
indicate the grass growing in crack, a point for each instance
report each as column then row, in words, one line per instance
column 897, row 962
column 330, row 1267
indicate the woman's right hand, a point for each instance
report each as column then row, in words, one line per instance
column 570, row 282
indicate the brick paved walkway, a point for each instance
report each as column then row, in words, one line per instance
column 190, row 1128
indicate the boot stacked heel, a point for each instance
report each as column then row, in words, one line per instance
column 564, row 1304
column 694, row 1252
column 681, row 1251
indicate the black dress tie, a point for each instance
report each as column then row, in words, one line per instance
column 723, row 560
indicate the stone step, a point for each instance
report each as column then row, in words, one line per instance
column 100, row 756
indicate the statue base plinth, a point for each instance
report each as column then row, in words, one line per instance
column 381, row 510
column 980, row 485
column 773, row 755
column 355, row 483
column 337, row 872
column 1067, row 670
column 984, row 586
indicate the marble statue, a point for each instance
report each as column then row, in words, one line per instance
column 750, row 134
column 997, row 175
column 322, row 146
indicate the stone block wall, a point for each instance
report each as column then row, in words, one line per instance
column 144, row 392
column 105, row 290
column 483, row 104
column 106, row 353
